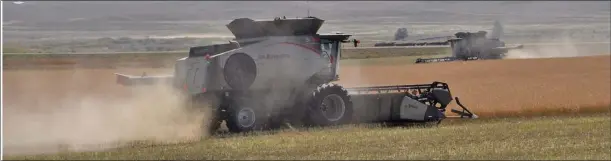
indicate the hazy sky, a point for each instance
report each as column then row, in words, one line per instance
column 116, row 18
column 211, row 10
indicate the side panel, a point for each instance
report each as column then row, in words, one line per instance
column 282, row 62
column 214, row 75
column 180, row 72
column 386, row 103
column 195, row 80
column 412, row 109
column 366, row 108
column 376, row 107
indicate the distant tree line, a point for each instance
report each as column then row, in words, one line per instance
column 121, row 44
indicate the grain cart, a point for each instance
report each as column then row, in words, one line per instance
column 280, row 71
column 473, row 46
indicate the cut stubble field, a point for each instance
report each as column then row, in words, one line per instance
column 494, row 88
column 554, row 138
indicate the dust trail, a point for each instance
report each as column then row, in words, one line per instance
column 85, row 123
column 565, row 48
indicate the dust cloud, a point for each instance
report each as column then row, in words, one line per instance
column 564, row 48
column 154, row 114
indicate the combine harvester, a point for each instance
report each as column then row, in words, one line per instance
column 280, row 71
column 473, row 46
column 465, row 45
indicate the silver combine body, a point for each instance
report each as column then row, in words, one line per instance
column 280, row 71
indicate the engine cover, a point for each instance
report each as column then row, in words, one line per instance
column 240, row 71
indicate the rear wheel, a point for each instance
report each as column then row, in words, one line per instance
column 243, row 116
column 329, row 104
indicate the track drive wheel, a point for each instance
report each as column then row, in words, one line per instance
column 244, row 115
column 329, row 105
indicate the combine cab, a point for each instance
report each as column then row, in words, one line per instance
column 280, row 71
